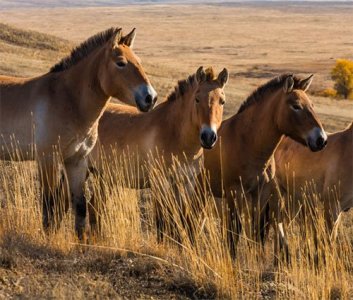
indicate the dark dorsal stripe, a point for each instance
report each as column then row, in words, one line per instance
column 84, row 49
column 270, row 86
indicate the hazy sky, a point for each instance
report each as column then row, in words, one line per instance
column 54, row 3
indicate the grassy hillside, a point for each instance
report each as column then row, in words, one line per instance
column 27, row 53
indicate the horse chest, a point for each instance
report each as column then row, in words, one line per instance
column 251, row 182
column 149, row 140
column 81, row 147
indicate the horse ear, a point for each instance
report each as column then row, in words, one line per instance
column 116, row 37
column 223, row 77
column 305, row 83
column 129, row 39
column 288, row 84
column 200, row 74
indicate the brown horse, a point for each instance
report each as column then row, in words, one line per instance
column 178, row 127
column 331, row 171
column 238, row 165
column 59, row 111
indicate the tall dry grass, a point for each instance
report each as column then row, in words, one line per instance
column 128, row 223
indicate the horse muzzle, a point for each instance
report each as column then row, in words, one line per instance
column 145, row 97
column 208, row 137
column 317, row 139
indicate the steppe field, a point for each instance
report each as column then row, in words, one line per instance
column 255, row 41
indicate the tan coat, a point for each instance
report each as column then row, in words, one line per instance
column 238, row 165
column 176, row 129
column 54, row 118
column 328, row 172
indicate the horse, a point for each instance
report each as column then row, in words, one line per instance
column 331, row 172
column 178, row 128
column 240, row 166
column 54, row 117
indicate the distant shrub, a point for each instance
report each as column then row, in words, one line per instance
column 342, row 74
column 331, row 93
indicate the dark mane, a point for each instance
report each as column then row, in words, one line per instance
column 184, row 85
column 84, row 49
column 272, row 85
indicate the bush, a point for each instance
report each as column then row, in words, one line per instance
column 342, row 74
column 331, row 93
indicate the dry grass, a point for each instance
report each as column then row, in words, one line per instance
column 24, row 52
column 255, row 43
column 126, row 255
column 31, row 39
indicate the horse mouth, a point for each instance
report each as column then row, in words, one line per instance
column 315, row 147
column 206, row 146
column 143, row 107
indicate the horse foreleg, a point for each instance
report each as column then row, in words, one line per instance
column 280, row 240
column 233, row 224
column 76, row 173
column 332, row 217
column 51, row 179
column 97, row 194
column 190, row 210
column 160, row 223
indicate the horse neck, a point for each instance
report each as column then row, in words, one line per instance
column 348, row 135
column 262, row 133
column 86, row 97
column 181, row 117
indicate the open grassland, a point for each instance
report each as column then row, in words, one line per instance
column 255, row 43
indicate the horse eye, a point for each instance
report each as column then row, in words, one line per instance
column 296, row 107
column 197, row 100
column 121, row 64
column 222, row 102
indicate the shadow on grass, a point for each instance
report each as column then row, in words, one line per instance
column 128, row 274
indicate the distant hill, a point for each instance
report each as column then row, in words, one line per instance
column 31, row 39
column 26, row 52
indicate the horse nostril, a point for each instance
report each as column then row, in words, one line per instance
column 208, row 138
column 320, row 142
column 213, row 138
column 148, row 99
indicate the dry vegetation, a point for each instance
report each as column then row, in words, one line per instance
column 255, row 43
column 24, row 52
column 126, row 260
